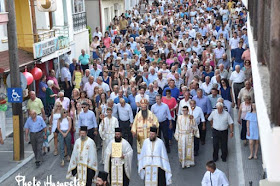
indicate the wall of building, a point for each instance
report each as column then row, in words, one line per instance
column 92, row 10
column 81, row 41
column 108, row 11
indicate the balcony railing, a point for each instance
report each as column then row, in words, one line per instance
column 79, row 21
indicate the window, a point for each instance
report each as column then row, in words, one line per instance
column 2, row 5
column 78, row 6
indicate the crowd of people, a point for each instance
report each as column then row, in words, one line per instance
column 171, row 69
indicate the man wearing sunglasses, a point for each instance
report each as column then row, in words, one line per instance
column 87, row 118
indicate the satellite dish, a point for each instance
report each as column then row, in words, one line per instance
column 46, row 5
column 23, row 81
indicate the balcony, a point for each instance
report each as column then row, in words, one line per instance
column 79, row 21
column 26, row 41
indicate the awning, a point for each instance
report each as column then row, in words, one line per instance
column 25, row 58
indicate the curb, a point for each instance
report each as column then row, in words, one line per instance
column 24, row 162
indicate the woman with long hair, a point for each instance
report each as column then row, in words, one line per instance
column 252, row 131
column 55, row 115
column 64, row 125
column 126, row 87
column 94, row 44
column 77, row 76
column 172, row 104
column 75, row 94
column 244, row 108
column 115, row 80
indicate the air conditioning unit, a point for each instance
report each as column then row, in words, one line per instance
column 46, row 5
column 117, row 7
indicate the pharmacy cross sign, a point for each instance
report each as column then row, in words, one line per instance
column 15, row 95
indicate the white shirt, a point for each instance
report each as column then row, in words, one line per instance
column 192, row 33
column 105, row 87
column 162, row 83
column 219, row 52
column 65, row 73
column 218, row 178
column 233, row 43
column 89, row 88
column 197, row 114
column 237, row 77
column 197, row 49
column 220, row 121
column 138, row 97
column 183, row 103
column 65, row 103
column 113, row 95
column 98, row 34
column 207, row 88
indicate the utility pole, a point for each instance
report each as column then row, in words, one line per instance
column 15, row 81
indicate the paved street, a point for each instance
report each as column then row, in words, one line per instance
column 191, row 176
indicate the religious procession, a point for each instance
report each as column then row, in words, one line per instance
column 162, row 87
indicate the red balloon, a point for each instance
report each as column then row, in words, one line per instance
column 37, row 73
column 28, row 77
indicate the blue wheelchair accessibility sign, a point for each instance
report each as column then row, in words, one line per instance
column 15, row 95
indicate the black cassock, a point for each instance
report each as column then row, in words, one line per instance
column 125, row 178
column 161, row 177
column 90, row 175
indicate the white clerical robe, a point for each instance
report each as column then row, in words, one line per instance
column 107, row 132
column 218, row 178
column 186, row 129
column 84, row 156
column 117, row 164
column 154, row 156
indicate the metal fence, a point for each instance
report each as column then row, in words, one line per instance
column 79, row 21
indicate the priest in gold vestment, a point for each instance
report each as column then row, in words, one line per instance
column 186, row 129
column 143, row 120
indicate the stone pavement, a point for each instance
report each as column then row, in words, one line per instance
column 191, row 176
column 251, row 169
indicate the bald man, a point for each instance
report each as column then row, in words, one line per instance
column 35, row 104
column 35, row 125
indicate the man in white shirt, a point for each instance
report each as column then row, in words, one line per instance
column 233, row 42
column 223, row 71
column 97, row 33
column 114, row 94
column 66, row 80
column 184, row 102
column 214, row 176
column 89, row 87
column 161, row 81
column 219, row 51
column 220, row 121
column 237, row 79
column 199, row 118
column 140, row 96
column 191, row 32
column 103, row 85
column 207, row 85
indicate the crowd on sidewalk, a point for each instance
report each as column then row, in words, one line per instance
column 165, row 71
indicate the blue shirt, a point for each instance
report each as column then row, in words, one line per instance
column 152, row 96
column 84, row 59
column 161, row 111
column 117, row 99
column 95, row 73
column 175, row 93
column 72, row 68
column 35, row 126
column 125, row 113
column 237, row 54
column 204, row 103
column 87, row 119
column 41, row 93
column 152, row 78
column 132, row 102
